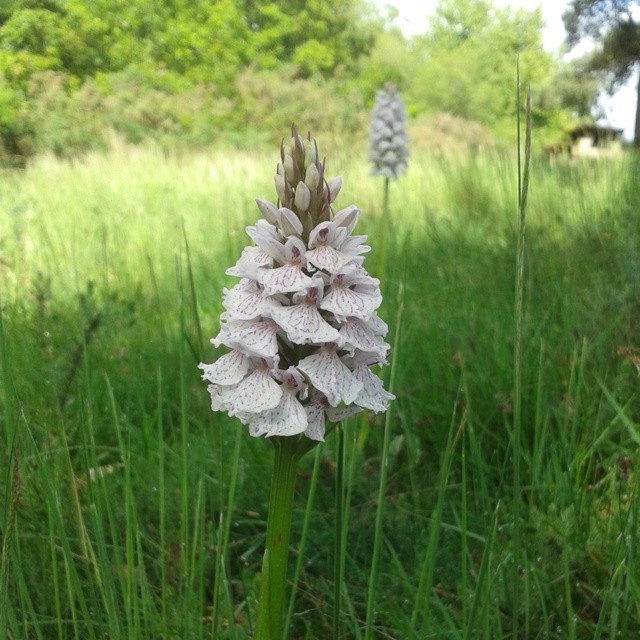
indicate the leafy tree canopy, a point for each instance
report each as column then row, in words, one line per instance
column 614, row 25
column 318, row 35
column 191, row 67
column 200, row 40
column 468, row 59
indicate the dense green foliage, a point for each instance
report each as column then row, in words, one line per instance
column 130, row 510
column 188, row 73
column 478, row 45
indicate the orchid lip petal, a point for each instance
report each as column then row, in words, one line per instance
column 243, row 304
column 331, row 376
column 252, row 337
column 327, row 257
column 352, row 293
column 372, row 395
column 228, row 369
column 288, row 418
column 304, row 324
column 357, row 334
column 286, row 279
column 344, row 303
column 315, row 421
column 221, row 397
column 250, row 262
column 257, row 392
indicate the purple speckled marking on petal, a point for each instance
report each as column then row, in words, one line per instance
column 303, row 324
column 358, row 335
column 331, row 376
column 287, row 419
column 286, row 279
column 257, row 392
column 345, row 303
column 246, row 305
column 255, row 337
column 326, row 257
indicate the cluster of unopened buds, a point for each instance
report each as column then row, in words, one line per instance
column 300, row 327
column 388, row 149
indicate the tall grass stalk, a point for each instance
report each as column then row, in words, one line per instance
column 523, row 190
column 12, row 493
column 185, row 488
column 339, row 552
column 313, row 483
column 420, row 611
column 382, row 485
column 222, row 547
column 162, row 497
column 484, row 586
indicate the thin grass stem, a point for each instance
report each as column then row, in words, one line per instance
column 523, row 188
column 382, row 485
column 339, row 533
column 313, row 483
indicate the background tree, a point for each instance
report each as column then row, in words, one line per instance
column 187, row 72
column 611, row 23
column 319, row 36
column 469, row 56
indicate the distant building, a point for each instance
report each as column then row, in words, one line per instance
column 594, row 141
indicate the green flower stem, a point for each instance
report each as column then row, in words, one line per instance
column 288, row 451
column 385, row 199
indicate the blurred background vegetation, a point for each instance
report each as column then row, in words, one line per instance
column 74, row 74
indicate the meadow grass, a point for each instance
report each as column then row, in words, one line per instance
column 130, row 510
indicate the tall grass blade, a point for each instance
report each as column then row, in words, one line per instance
column 382, row 486
column 523, row 189
column 339, row 547
column 313, row 483
column 427, row 566
column 482, row 594
column 12, row 493
column 224, row 532
column 199, row 347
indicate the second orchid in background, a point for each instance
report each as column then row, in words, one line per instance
column 388, row 151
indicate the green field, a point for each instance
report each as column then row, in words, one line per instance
column 129, row 510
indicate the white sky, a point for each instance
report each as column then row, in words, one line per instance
column 619, row 109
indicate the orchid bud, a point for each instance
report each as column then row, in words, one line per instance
column 289, row 170
column 281, row 187
column 288, row 222
column 347, row 217
column 268, row 210
column 334, row 185
column 312, row 177
column 303, row 196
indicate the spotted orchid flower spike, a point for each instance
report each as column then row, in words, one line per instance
column 300, row 328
